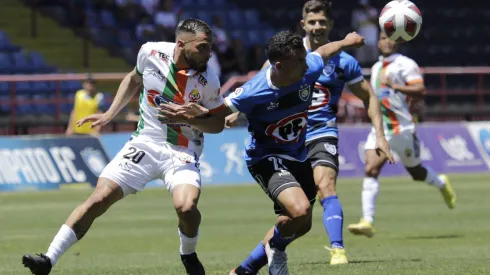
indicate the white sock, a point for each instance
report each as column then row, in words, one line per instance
column 187, row 245
column 434, row 179
column 62, row 242
column 370, row 190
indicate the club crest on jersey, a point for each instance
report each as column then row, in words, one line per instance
column 194, row 96
column 329, row 69
column 94, row 159
column 304, row 92
column 288, row 129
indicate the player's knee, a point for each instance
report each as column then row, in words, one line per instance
column 301, row 212
column 371, row 170
column 186, row 208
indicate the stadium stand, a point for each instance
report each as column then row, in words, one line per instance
column 246, row 25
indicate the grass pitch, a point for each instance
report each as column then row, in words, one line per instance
column 416, row 233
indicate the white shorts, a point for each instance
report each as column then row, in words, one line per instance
column 405, row 145
column 143, row 160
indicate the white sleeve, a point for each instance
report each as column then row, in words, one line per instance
column 143, row 54
column 411, row 73
column 212, row 98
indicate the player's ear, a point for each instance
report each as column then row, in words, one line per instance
column 302, row 23
column 331, row 23
column 278, row 65
column 180, row 44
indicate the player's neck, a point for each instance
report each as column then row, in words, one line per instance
column 179, row 59
column 311, row 45
column 277, row 80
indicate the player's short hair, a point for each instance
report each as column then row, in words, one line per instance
column 316, row 6
column 193, row 26
column 283, row 45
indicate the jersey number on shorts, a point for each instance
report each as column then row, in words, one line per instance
column 278, row 166
column 134, row 155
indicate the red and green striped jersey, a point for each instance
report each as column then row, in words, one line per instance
column 164, row 82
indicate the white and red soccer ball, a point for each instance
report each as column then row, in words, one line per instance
column 400, row 20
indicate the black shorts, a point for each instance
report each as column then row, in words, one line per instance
column 324, row 152
column 275, row 174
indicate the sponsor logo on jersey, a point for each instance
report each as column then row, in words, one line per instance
column 288, row 129
column 158, row 75
column 237, row 92
column 321, row 97
column 160, row 55
column 329, row 69
column 202, row 80
column 194, row 96
column 273, row 105
column 304, row 92
column 94, row 159
column 155, row 98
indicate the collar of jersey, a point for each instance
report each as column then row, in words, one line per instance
column 390, row 58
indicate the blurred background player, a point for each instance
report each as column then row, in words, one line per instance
column 322, row 132
column 396, row 78
column 87, row 102
column 165, row 72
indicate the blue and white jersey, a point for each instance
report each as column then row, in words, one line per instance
column 277, row 117
column 322, row 116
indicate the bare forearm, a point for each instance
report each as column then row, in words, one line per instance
column 209, row 124
column 127, row 89
column 331, row 49
column 374, row 113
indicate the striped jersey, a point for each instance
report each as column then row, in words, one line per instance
column 163, row 82
column 394, row 105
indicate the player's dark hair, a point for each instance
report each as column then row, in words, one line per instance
column 283, row 45
column 193, row 26
column 316, row 6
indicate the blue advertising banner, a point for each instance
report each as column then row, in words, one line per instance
column 52, row 162
column 49, row 162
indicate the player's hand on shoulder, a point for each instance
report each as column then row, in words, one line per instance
column 98, row 120
column 354, row 40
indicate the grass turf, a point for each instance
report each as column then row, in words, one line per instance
column 416, row 233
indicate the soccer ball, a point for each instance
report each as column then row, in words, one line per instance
column 400, row 20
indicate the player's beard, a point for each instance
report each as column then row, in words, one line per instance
column 195, row 65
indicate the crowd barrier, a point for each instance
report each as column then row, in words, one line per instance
column 54, row 162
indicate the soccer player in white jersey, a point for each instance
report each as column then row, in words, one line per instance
column 165, row 72
column 395, row 79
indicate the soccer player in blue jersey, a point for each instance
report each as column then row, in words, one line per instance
column 276, row 102
column 322, row 132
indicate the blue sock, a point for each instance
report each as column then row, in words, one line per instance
column 256, row 260
column 333, row 220
column 280, row 242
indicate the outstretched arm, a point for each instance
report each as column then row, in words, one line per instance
column 365, row 93
column 130, row 84
column 352, row 40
